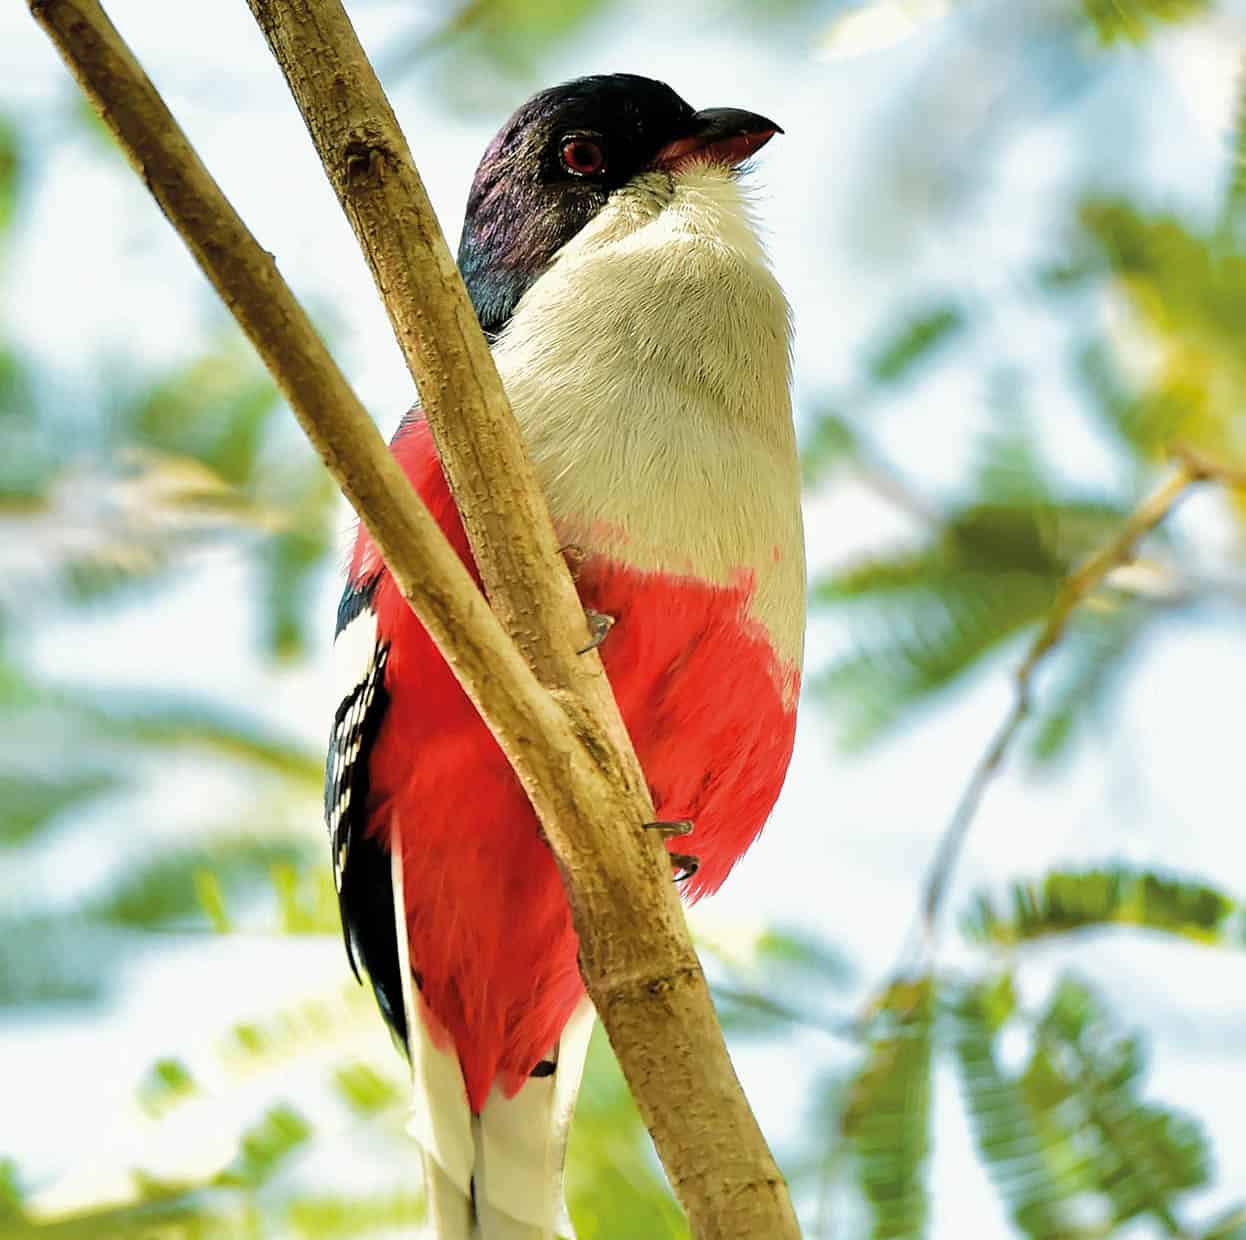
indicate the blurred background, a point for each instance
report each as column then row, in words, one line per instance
column 1014, row 236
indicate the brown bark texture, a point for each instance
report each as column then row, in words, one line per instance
column 550, row 709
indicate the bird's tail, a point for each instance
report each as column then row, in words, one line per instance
column 497, row 1175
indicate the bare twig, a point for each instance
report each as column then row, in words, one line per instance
column 559, row 728
column 1192, row 468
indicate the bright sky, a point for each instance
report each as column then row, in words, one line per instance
column 99, row 271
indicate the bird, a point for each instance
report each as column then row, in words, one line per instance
column 611, row 251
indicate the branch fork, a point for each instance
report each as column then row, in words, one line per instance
column 518, row 656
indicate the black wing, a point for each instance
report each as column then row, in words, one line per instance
column 361, row 866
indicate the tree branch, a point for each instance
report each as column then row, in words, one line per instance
column 1192, row 469
column 559, row 728
column 367, row 160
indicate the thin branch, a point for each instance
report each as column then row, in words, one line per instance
column 566, row 742
column 368, row 163
column 1192, row 469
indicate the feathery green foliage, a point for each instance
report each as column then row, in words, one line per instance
column 10, row 176
column 1063, row 901
column 1135, row 20
column 886, row 1115
column 1083, row 1070
column 1036, row 1172
column 916, row 340
column 280, row 1131
column 30, row 801
column 342, row 1217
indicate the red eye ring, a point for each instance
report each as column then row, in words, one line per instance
column 582, row 156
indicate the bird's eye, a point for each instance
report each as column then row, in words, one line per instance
column 583, row 156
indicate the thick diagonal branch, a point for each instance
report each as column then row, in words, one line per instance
column 559, row 727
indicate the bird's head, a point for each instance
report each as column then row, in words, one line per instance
column 555, row 163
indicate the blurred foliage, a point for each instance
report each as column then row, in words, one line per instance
column 1136, row 19
column 479, row 54
column 886, row 1116
column 1064, row 901
column 117, row 496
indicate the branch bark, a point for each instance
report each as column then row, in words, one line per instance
column 551, row 711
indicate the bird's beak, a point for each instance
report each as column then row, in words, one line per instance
column 719, row 136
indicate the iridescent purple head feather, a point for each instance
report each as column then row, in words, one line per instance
column 558, row 159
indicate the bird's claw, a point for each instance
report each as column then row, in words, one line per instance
column 685, row 863
column 575, row 555
column 670, row 830
column 598, row 627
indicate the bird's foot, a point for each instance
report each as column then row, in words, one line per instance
column 575, row 555
column 685, row 863
column 671, row 830
column 598, row 627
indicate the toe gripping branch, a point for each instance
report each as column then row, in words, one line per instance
column 685, row 863
column 598, row 627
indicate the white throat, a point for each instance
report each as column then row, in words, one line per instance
column 649, row 370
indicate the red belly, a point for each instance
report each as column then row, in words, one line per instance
column 699, row 689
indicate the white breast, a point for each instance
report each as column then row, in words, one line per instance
column 649, row 369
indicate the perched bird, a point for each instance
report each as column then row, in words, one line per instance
column 612, row 258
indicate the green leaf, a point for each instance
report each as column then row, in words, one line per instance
column 168, row 1082
column 1143, row 424
column 747, row 1013
column 886, row 1115
column 10, row 175
column 211, row 898
column 1187, row 286
column 785, row 951
column 926, row 616
column 915, row 341
column 11, row 1196
column 364, row 1089
column 29, row 802
column 1066, row 901
column 832, row 440
column 1084, row 1077
column 1095, row 655
column 306, row 898
column 1136, row 20
column 267, row 1145
column 291, row 562
column 172, row 886
column 784, row 985
column 1035, row 1170
column 342, row 1217
column 904, row 657
column 156, row 721
column 215, row 409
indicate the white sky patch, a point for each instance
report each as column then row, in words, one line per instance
column 876, row 27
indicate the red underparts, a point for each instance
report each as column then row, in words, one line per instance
column 490, row 931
